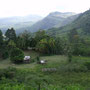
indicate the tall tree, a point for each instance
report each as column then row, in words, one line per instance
column 10, row 34
column 73, row 36
column 74, row 40
column 21, row 43
column 41, row 34
column 25, row 38
column 1, row 43
column 59, row 46
column 1, row 38
column 46, row 46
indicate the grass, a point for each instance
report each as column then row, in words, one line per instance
column 59, row 78
column 23, row 87
column 7, row 63
column 55, row 60
column 52, row 61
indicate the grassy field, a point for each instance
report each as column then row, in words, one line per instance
column 74, row 73
column 7, row 63
column 54, row 61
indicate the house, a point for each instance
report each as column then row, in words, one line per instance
column 42, row 61
column 26, row 59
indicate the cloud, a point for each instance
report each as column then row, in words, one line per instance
column 41, row 7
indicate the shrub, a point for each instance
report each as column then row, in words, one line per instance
column 72, row 68
column 48, row 87
column 69, row 57
column 7, row 73
column 87, row 64
column 10, row 72
column 16, row 55
column 5, row 55
column 32, row 60
column 38, row 59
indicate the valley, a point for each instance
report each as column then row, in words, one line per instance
column 45, row 53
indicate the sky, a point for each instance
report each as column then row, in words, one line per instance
column 10, row 8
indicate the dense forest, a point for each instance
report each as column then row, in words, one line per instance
column 41, row 42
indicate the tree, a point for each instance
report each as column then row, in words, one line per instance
column 33, row 42
column 16, row 55
column 3, row 47
column 46, row 46
column 11, row 45
column 1, row 43
column 58, row 46
column 74, row 40
column 38, row 59
column 42, row 46
column 24, row 39
column 73, row 36
column 41, row 34
column 69, row 54
column 10, row 34
column 1, row 38
column 21, row 43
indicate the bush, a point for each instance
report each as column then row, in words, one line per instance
column 10, row 72
column 7, row 73
column 5, row 55
column 16, row 55
column 72, row 68
column 87, row 64
column 38, row 59
column 69, row 57
column 48, row 87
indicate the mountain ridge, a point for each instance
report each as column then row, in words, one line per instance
column 81, row 23
column 50, row 21
column 18, row 22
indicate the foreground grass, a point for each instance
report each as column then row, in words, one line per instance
column 23, row 87
column 69, row 76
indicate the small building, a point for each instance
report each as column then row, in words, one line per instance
column 26, row 59
column 42, row 61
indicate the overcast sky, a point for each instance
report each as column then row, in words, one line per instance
column 41, row 7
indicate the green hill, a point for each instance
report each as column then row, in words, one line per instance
column 54, row 19
column 82, row 24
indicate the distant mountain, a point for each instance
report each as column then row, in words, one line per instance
column 81, row 23
column 68, row 20
column 18, row 22
column 54, row 19
column 61, row 14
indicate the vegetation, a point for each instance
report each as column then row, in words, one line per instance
column 54, row 19
column 81, row 23
column 10, row 34
column 72, row 75
column 16, row 55
column 67, row 64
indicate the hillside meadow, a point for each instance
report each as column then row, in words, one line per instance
column 67, row 76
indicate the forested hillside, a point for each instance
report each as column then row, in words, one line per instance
column 55, row 19
column 82, row 24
